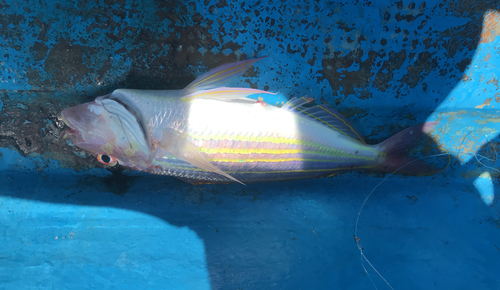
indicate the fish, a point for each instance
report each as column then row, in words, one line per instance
column 212, row 133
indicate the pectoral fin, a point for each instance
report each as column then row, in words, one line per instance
column 181, row 148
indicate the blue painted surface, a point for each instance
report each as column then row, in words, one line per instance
column 386, row 65
column 65, row 229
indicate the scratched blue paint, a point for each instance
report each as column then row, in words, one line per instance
column 476, row 98
column 478, row 86
column 65, row 24
column 64, row 228
column 351, row 13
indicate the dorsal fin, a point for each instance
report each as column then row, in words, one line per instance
column 295, row 103
column 323, row 115
column 220, row 75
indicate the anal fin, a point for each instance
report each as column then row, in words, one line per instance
column 199, row 181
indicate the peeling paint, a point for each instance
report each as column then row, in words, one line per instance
column 486, row 102
column 489, row 120
column 491, row 26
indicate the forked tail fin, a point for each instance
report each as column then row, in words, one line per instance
column 395, row 150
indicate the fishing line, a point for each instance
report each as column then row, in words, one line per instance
column 357, row 240
column 489, row 159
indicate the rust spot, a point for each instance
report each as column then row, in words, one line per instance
column 466, row 78
column 487, row 57
column 491, row 26
column 487, row 102
column 358, row 82
column 497, row 97
column 65, row 62
column 494, row 81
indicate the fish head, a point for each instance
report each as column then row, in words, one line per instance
column 108, row 130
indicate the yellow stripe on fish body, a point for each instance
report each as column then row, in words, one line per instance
column 273, row 153
column 275, row 160
column 242, row 138
column 262, row 151
column 322, row 150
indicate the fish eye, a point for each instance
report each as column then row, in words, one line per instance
column 107, row 160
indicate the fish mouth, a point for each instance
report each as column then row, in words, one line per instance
column 71, row 133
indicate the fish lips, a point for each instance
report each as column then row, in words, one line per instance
column 73, row 135
column 70, row 118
